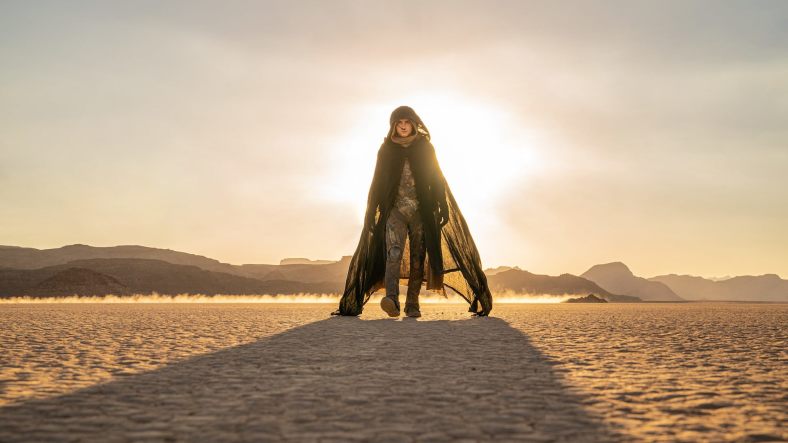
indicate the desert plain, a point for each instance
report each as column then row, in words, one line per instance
column 273, row 372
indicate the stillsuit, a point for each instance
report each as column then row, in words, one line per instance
column 405, row 220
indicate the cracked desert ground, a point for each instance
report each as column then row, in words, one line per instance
column 272, row 372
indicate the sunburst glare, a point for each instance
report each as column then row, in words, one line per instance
column 482, row 149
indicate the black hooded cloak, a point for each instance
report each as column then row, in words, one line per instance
column 452, row 259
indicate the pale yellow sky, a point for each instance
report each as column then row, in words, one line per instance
column 651, row 133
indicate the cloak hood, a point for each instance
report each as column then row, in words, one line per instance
column 410, row 114
column 452, row 260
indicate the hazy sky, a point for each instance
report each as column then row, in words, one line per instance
column 572, row 133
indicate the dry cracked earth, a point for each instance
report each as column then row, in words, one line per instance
column 262, row 372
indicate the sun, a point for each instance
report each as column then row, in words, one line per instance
column 482, row 149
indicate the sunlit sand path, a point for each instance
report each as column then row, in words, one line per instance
column 273, row 372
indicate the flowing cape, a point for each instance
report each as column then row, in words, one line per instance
column 452, row 259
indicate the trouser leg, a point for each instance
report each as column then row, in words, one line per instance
column 418, row 250
column 396, row 230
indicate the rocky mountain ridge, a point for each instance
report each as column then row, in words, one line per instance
column 88, row 270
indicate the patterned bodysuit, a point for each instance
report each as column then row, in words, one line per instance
column 405, row 220
column 407, row 202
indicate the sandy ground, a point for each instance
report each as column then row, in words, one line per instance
column 254, row 372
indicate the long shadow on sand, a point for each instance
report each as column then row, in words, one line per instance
column 340, row 379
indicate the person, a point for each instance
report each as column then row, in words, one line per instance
column 404, row 219
column 413, row 230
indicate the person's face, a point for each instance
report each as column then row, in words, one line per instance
column 404, row 127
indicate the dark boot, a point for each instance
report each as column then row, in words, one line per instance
column 390, row 304
column 412, row 309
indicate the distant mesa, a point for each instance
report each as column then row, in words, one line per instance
column 275, row 275
column 304, row 261
column 103, row 276
column 79, row 281
column 617, row 277
column 767, row 287
column 590, row 298
column 524, row 282
column 32, row 258
column 90, row 270
column 499, row 269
